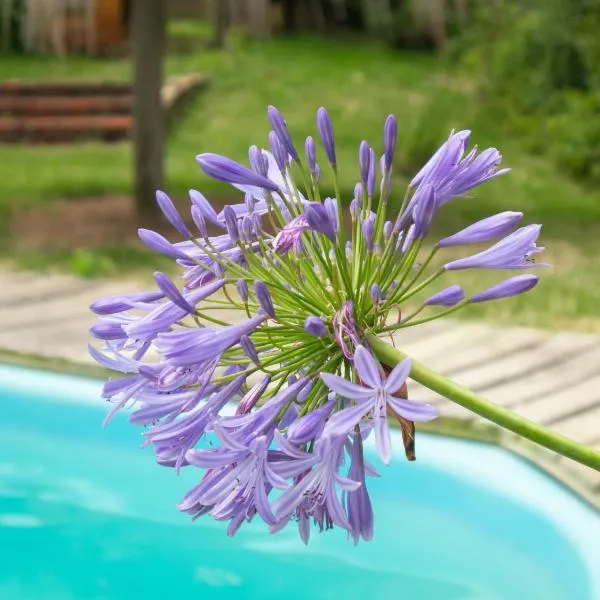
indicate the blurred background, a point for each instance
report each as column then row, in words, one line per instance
column 103, row 101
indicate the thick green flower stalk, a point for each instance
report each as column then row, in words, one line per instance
column 315, row 291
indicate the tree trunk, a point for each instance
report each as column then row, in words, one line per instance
column 289, row 15
column 220, row 17
column 148, row 29
column 259, row 25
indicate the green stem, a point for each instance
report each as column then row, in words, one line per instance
column 478, row 404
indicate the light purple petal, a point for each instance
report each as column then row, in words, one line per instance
column 383, row 440
column 398, row 376
column 413, row 411
column 367, row 368
column 346, row 388
column 342, row 422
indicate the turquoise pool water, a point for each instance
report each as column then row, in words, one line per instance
column 85, row 514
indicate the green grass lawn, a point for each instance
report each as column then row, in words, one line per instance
column 360, row 83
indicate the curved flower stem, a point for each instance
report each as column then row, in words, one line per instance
column 478, row 404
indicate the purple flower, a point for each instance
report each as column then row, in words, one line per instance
column 512, row 252
column 289, row 237
column 311, row 153
column 239, row 483
column 315, row 326
column 248, row 402
column 242, row 289
column 358, row 503
column 249, row 349
column 231, row 223
column 119, row 303
column 227, row 170
column 159, row 244
column 279, row 126
column 264, row 298
column 368, row 231
column 205, row 208
column 505, row 289
column 364, row 161
column 390, row 133
column 372, row 173
column 448, row 297
column 316, row 489
column 484, row 230
column 171, row 214
column 318, row 219
column 169, row 289
column 326, row 132
column 374, row 396
column 277, row 150
column 375, row 293
column 189, row 346
column 172, row 439
column 424, row 211
column 310, row 426
column 258, row 160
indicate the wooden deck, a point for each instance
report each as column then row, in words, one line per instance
column 552, row 378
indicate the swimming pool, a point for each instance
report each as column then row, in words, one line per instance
column 85, row 514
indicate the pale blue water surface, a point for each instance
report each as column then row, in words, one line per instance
column 85, row 514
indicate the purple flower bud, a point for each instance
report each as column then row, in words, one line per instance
column 249, row 349
column 388, row 227
column 169, row 289
column 424, row 212
column 171, row 214
column 368, row 230
column 318, row 219
column 484, row 230
column 248, row 402
column 317, row 173
column 375, row 293
column 410, row 236
column 448, row 297
column 304, row 392
column 507, row 288
column 110, row 305
column 315, row 326
column 258, row 161
column 264, row 298
column 371, row 178
column 279, row 126
column 331, row 206
column 326, row 133
column 231, row 223
column 310, row 425
column 242, row 289
column 348, row 249
column 227, row 170
column 354, row 209
column 204, row 206
column 364, row 160
column 290, row 236
column 511, row 252
column 250, row 202
column 247, row 228
column 311, row 153
column 159, row 244
column 278, row 151
column 390, row 133
column 199, row 221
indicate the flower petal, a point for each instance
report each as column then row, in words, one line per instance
column 413, row 411
column 398, row 376
column 367, row 367
column 346, row 388
column 343, row 421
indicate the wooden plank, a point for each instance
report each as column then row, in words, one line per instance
column 573, row 370
column 589, row 477
column 20, row 290
column 583, row 427
column 460, row 337
column 519, row 365
column 563, row 403
column 59, row 307
column 501, row 343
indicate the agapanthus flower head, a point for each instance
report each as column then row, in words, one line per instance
column 276, row 313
